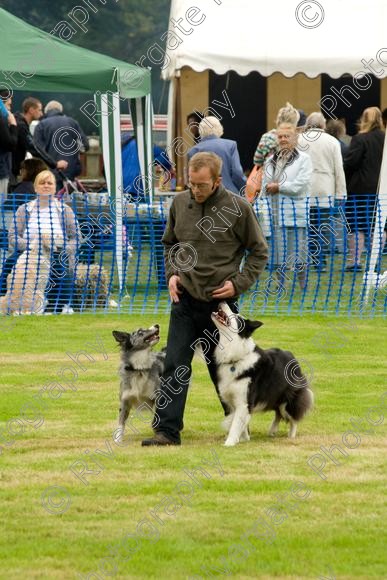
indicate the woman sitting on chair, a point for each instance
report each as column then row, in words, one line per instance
column 46, row 215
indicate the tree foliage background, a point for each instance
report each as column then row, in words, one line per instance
column 124, row 29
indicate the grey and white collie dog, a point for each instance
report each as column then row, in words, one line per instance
column 140, row 371
column 251, row 379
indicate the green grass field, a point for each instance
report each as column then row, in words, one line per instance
column 135, row 512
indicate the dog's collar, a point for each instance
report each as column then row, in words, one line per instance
column 131, row 368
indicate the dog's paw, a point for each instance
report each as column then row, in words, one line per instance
column 118, row 435
column 230, row 443
column 292, row 432
column 273, row 429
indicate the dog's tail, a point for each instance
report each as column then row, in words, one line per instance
column 298, row 394
column 300, row 403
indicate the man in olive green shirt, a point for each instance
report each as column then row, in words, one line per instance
column 208, row 234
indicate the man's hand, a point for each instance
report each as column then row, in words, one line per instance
column 226, row 291
column 174, row 288
column 272, row 188
column 62, row 164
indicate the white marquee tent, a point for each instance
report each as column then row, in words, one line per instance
column 329, row 36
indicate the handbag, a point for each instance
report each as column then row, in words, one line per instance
column 254, row 184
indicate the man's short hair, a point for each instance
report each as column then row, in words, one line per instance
column 336, row 128
column 30, row 103
column 207, row 159
column 53, row 105
column 316, row 120
column 195, row 115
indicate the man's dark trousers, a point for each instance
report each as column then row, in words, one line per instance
column 190, row 318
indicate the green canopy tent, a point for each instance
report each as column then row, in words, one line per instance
column 34, row 60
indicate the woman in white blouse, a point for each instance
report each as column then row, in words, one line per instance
column 285, row 184
column 45, row 214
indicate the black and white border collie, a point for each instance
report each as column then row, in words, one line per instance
column 251, row 379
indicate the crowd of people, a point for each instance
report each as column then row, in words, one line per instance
column 334, row 174
column 309, row 169
column 57, row 140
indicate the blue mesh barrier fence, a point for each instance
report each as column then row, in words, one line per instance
column 318, row 259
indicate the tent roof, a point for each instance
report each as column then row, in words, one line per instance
column 34, row 60
column 248, row 35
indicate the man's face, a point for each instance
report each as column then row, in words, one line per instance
column 8, row 104
column 202, row 184
column 36, row 112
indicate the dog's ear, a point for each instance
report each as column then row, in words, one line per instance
column 121, row 337
column 253, row 324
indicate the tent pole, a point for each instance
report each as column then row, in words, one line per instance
column 170, row 121
column 141, row 140
column 179, row 160
column 117, row 183
column 109, row 105
column 149, row 146
column 102, row 106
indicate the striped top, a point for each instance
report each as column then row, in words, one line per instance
column 266, row 147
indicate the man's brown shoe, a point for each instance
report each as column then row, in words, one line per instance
column 158, row 439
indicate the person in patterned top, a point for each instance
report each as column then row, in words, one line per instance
column 268, row 143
